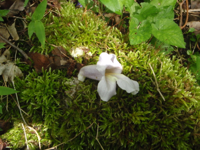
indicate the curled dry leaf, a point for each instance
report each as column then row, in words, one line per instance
column 16, row 7
column 60, row 59
column 4, row 32
column 8, row 69
column 13, row 32
column 40, row 61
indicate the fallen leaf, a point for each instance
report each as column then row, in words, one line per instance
column 4, row 32
column 2, row 145
column 8, row 69
column 55, row 3
column 16, row 7
column 13, row 32
column 4, row 126
column 59, row 51
column 40, row 61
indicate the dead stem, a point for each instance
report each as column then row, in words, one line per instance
column 97, row 137
column 37, row 135
column 25, row 137
column 156, row 83
column 21, row 51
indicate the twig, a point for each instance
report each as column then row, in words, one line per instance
column 19, row 105
column 156, row 83
column 181, row 10
column 21, row 51
column 25, row 137
column 71, row 138
column 37, row 135
column 187, row 14
column 97, row 137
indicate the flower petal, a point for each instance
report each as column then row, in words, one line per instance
column 107, row 87
column 127, row 84
column 89, row 71
column 107, row 62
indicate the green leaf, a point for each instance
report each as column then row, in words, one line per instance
column 128, row 4
column 25, row 3
column 37, row 27
column 134, row 9
column 6, row 91
column 3, row 13
column 114, row 5
column 39, row 11
column 31, row 28
column 139, row 32
column 2, row 45
column 168, row 32
column 162, row 3
column 166, row 13
column 191, row 30
column 148, row 10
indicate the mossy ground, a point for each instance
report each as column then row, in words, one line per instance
column 149, row 120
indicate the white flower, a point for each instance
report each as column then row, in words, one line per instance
column 108, row 72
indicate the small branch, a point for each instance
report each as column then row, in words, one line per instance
column 19, row 105
column 187, row 14
column 71, row 138
column 21, row 51
column 156, row 83
column 25, row 137
column 97, row 137
column 37, row 135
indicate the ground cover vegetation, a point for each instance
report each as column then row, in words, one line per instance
column 51, row 108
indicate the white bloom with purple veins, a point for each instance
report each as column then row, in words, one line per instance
column 108, row 72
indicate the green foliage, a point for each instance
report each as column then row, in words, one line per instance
column 2, row 45
column 157, row 20
column 149, row 18
column 3, row 13
column 36, row 24
column 6, row 91
column 195, row 64
column 26, row 2
column 114, row 5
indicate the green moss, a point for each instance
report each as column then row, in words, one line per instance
column 16, row 136
column 73, row 113
column 74, row 28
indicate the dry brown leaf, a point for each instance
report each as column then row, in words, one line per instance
column 8, row 69
column 59, row 51
column 13, row 32
column 55, row 3
column 16, row 7
column 40, row 61
column 2, row 145
column 4, row 125
column 4, row 32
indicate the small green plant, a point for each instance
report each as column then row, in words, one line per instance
column 3, row 13
column 36, row 26
column 147, row 19
column 6, row 91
